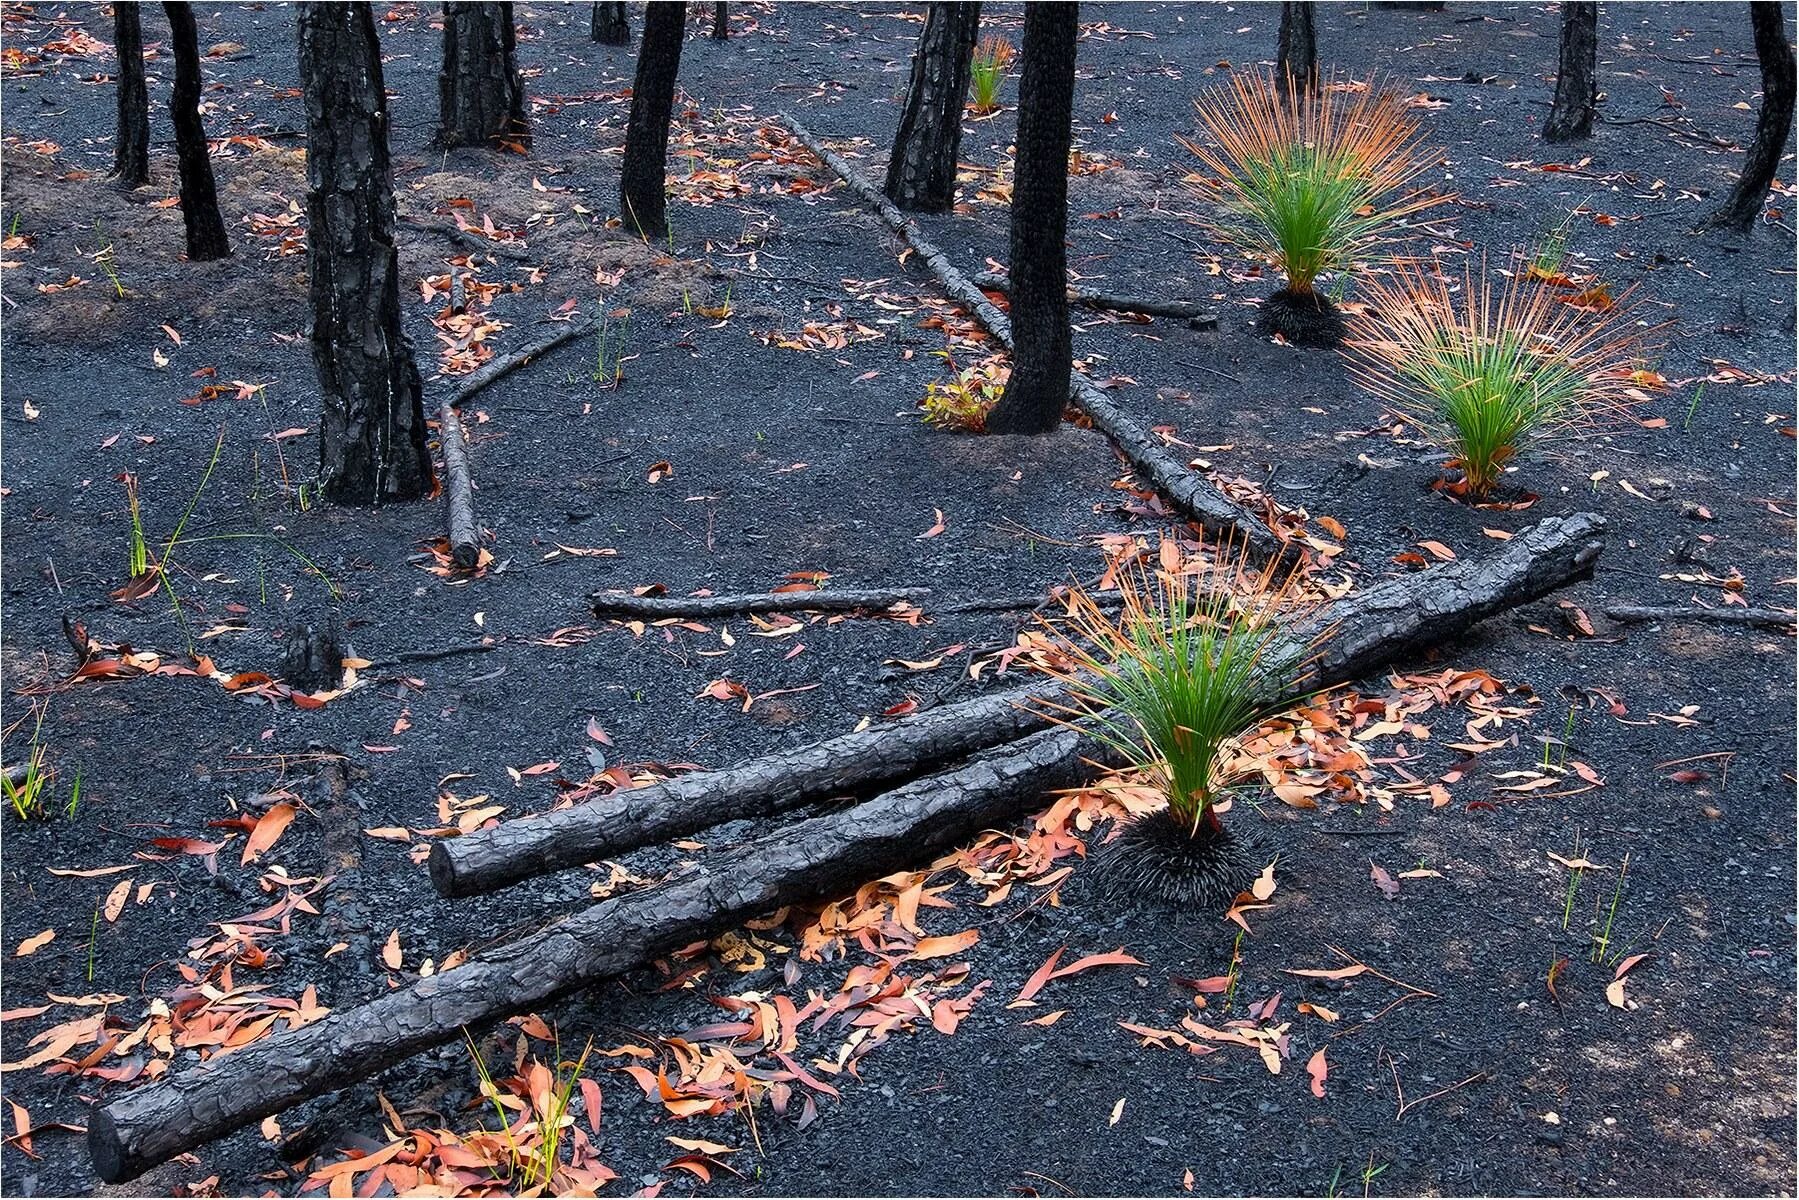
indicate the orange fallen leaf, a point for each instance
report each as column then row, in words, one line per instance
column 269, row 828
column 939, row 947
column 34, row 943
column 1317, row 1068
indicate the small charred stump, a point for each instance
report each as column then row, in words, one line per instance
column 312, row 659
column 1305, row 320
column 206, row 238
column 131, row 150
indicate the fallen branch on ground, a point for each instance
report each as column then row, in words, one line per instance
column 459, row 487
column 662, row 608
column 809, row 860
column 496, row 368
column 1765, row 618
column 1189, row 492
column 1369, row 630
column 1189, row 310
column 468, row 237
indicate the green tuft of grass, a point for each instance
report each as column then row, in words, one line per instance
column 1488, row 371
column 1309, row 181
column 610, row 343
column 1198, row 651
column 987, row 70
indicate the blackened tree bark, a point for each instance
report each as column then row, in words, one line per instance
column 480, row 97
column 372, row 430
column 206, row 238
column 131, row 152
column 1298, row 47
column 642, row 181
column 921, row 171
column 1772, row 124
column 1042, row 345
column 610, row 26
column 1576, row 89
column 721, row 22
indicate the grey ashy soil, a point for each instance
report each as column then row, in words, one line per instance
column 728, row 460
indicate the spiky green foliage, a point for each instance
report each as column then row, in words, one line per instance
column 987, row 70
column 1483, row 371
column 1198, row 652
column 1309, row 180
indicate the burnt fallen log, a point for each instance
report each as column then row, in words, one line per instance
column 809, row 860
column 470, row 238
column 1190, row 493
column 1761, row 618
column 1182, row 310
column 659, row 608
column 1367, row 631
column 459, row 487
column 498, row 368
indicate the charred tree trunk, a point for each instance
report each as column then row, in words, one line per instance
column 921, row 171
column 1772, row 125
column 1299, row 47
column 610, row 26
column 372, row 429
column 1033, row 399
column 480, row 97
column 642, row 183
column 721, row 22
column 1576, row 88
column 131, row 151
column 206, row 238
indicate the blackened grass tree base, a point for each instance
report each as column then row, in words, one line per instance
column 1160, row 856
column 1308, row 319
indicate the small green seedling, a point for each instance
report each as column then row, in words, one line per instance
column 1686, row 426
column 1602, row 941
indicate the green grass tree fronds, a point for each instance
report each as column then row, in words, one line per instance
column 1485, row 369
column 1310, row 182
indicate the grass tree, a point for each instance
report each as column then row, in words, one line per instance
column 1311, row 183
column 1576, row 88
column 131, row 146
column 643, row 178
column 1773, row 124
column 1201, row 649
column 1042, row 342
column 206, row 239
column 921, row 170
column 480, row 96
column 372, row 431
column 1484, row 370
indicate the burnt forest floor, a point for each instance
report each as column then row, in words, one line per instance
column 775, row 351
